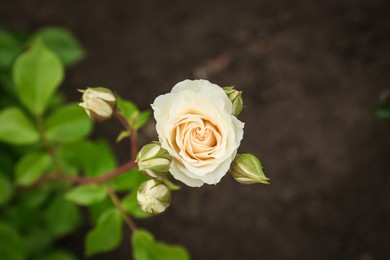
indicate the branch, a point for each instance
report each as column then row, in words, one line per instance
column 86, row 180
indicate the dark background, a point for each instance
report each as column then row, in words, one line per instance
column 310, row 72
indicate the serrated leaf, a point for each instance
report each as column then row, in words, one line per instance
column 5, row 190
column 63, row 43
column 62, row 216
column 68, row 124
column 15, row 128
column 107, row 234
column 11, row 246
column 146, row 248
column 86, row 194
column 37, row 74
column 142, row 119
column 31, row 167
column 130, row 205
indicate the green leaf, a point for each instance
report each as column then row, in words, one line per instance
column 103, row 160
column 58, row 255
column 68, row 124
column 62, row 216
column 107, row 234
column 79, row 154
column 63, row 43
column 130, row 205
column 142, row 119
column 31, row 167
column 128, row 109
column 11, row 246
column 15, row 128
column 37, row 74
column 9, row 49
column 5, row 190
column 129, row 180
column 37, row 239
column 146, row 248
column 86, row 194
column 97, row 209
column 382, row 110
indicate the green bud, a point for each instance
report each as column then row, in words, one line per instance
column 98, row 103
column 246, row 169
column 235, row 97
column 153, row 197
column 153, row 160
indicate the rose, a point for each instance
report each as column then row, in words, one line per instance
column 196, row 126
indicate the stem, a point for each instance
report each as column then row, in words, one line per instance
column 132, row 134
column 129, row 222
column 87, row 180
column 46, row 144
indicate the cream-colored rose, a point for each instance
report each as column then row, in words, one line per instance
column 196, row 126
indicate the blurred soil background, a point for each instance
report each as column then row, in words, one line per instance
column 310, row 72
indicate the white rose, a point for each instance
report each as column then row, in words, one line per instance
column 196, row 126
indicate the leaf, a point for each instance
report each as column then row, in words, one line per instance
column 103, row 160
column 15, row 128
column 37, row 74
column 129, row 180
column 123, row 134
column 130, row 205
column 107, row 234
column 11, row 246
column 58, row 255
column 37, row 239
column 142, row 119
column 128, row 108
column 62, row 216
column 31, row 167
column 96, row 210
column 9, row 49
column 146, row 248
column 68, row 124
column 86, row 194
column 382, row 110
column 79, row 154
column 63, row 43
column 5, row 190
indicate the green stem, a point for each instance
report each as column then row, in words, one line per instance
column 133, row 137
column 46, row 143
column 129, row 222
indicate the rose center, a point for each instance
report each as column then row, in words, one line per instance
column 196, row 137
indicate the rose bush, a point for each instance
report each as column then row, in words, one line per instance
column 196, row 126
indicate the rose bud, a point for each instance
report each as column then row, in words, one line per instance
column 98, row 103
column 235, row 97
column 153, row 197
column 246, row 169
column 153, row 160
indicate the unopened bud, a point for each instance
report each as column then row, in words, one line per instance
column 153, row 197
column 246, row 169
column 235, row 97
column 153, row 160
column 98, row 103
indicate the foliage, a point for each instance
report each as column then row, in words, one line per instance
column 48, row 166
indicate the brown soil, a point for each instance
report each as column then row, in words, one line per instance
column 310, row 71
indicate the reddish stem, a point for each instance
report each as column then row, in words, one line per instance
column 88, row 180
column 132, row 133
